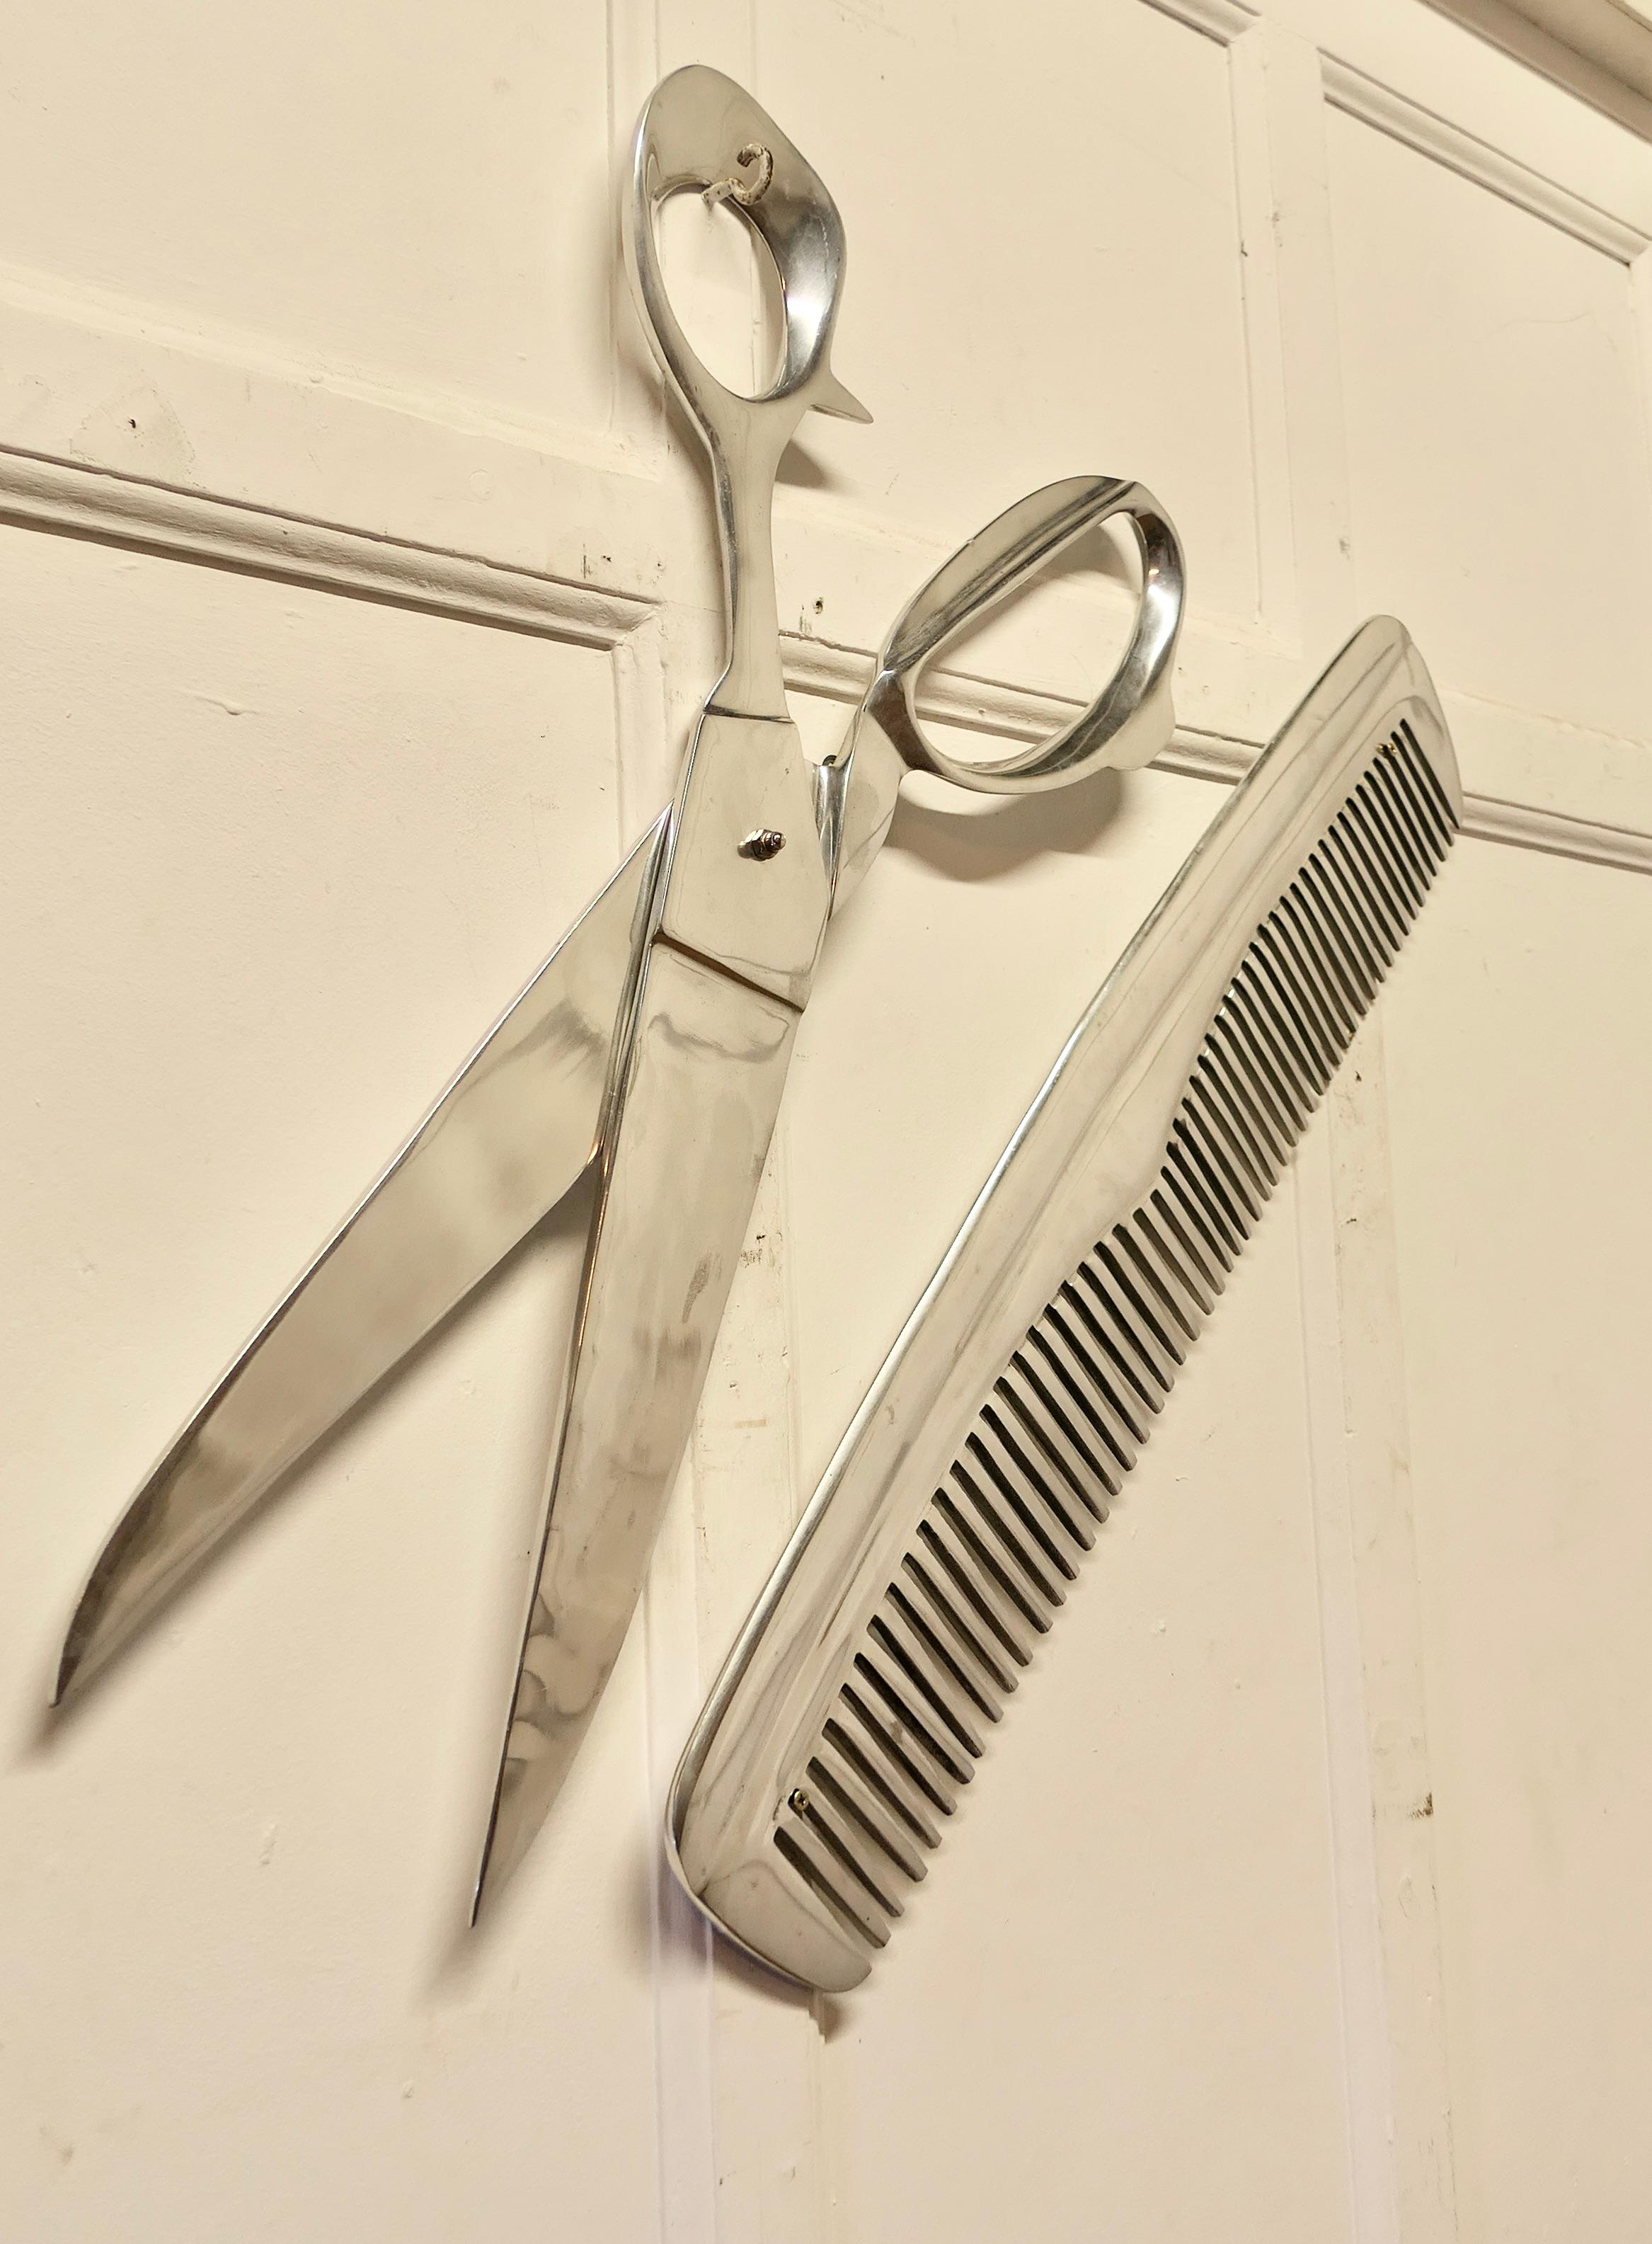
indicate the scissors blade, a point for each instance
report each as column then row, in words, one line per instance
column 695, row 1110
column 513, row 1132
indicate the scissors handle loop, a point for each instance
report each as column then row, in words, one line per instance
column 1130, row 720
column 700, row 132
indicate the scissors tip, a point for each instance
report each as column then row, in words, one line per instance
column 489, row 1878
column 71, row 1660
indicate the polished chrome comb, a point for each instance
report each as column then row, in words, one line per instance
column 938, row 1548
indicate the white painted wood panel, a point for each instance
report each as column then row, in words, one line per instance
column 1495, row 407
column 356, row 593
column 420, row 197
column 1524, row 1230
column 1114, row 313
column 275, row 857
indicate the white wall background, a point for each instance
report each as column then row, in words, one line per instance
column 356, row 595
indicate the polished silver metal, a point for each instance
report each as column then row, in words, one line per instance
column 1127, row 724
column 695, row 133
column 857, row 1703
column 512, row 1133
column 653, row 1046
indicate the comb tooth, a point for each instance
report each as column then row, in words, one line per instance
column 1389, row 843
column 1239, row 1093
column 1424, row 854
column 885, row 1732
column 1190, row 1141
column 1137, row 1240
column 968, row 1638
column 855, row 1739
column 1389, row 773
column 1316, row 1043
column 1117, row 1304
column 803, row 1850
column 1271, row 959
column 1223, row 1143
column 1350, row 988
column 1423, row 851
column 1383, row 920
column 1019, row 1490
column 1064, row 1438
column 1081, row 1303
column 1126, row 1409
column 1025, row 1563
column 1352, row 829
column 1232, row 1030
column 1309, row 970
column 1188, row 1178
column 1332, row 977
column 1285, row 1038
column 1321, row 959
column 836, row 1775
column 1317, row 883
column 1105, row 1315
column 1389, row 858
column 995, row 1573
column 1171, row 1262
column 1427, row 781
column 1354, row 921
column 1082, row 1378
column 1299, row 974
column 1248, row 1000
column 1054, row 1457
column 1364, row 922
column 1126, row 1293
column 848, row 1845
column 1203, row 1128
column 1200, row 1258
column 963, row 1572
column 938, row 1700
column 964, row 1677
column 957, row 1698
column 1179, row 1185
column 1360, row 980
column 920, row 1733
column 963, row 1669
column 1314, row 1054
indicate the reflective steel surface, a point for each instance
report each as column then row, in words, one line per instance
column 708, row 1064
column 656, row 1040
column 515, row 1129
column 700, row 1057
column 852, row 1714
column 1126, row 725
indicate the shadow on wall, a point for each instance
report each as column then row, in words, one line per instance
column 985, row 837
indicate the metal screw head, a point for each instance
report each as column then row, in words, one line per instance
column 798, row 1802
column 763, row 845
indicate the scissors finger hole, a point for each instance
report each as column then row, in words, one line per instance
column 1069, row 625
column 723, row 288
column 1127, row 722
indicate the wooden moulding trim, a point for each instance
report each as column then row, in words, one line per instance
column 1403, row 119
column 77, row 501
column 83, row 502
column 1221, row 20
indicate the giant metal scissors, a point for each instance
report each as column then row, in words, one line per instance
column 653, row 1044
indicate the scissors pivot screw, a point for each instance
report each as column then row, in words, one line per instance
column 763, row 845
